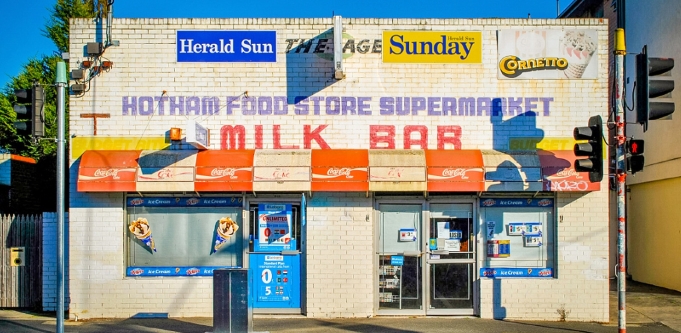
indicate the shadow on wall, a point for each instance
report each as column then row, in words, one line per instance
column 520, row 166
column 498, row 312
column 309, row 69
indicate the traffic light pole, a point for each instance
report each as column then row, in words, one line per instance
column 61, row 152
column 620, row 177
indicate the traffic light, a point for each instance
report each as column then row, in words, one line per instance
column 592, row 149
column 635, row 160
column 29, row 108
column 649, row 86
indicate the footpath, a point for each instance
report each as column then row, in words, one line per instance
column 649, row 309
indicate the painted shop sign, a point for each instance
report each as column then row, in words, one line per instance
column 226, row 46
column 432, row 47
column 323, row 45
column 380, row 137
column 390, row 106
column 547, row 54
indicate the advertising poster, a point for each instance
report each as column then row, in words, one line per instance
column 276, row 281
column 274, row 227
column 408, row 235
column 226, row 46
column 547, row 54
column 403, row 46
column 511, row 272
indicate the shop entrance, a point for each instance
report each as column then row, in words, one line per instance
column 426, row 265
column 275, row 254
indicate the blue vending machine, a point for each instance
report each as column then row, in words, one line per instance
column 275, row 258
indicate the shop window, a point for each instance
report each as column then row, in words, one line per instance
column 173, row 236
column 518, row 236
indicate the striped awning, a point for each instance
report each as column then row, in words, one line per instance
column 345, row 170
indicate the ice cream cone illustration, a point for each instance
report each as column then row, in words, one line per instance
column 225, row 230
column 140, row 228
column 530, row 44
column 578, row 48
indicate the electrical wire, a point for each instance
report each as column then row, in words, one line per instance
column 139, row 138
column 633, row 97
column 243, row 94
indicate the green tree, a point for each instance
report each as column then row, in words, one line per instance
column 42, row 71
column 57, row 28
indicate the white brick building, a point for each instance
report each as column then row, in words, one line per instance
column 417, row 184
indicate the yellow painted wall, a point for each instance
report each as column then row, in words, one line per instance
column 80, row 144
column 654, row 233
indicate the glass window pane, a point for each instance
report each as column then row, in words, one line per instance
column 451, row 286
column 185, row 236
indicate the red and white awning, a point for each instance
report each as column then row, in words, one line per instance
column 344, row 170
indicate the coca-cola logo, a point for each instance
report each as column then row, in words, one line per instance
column 565, row 173
column 339, row 172
column 165, row 173
column 280, row 174
column 458, row 172
column 192, row 271
column 222, row 172
column 395, row 172
column 113, row 173
column 136, row 271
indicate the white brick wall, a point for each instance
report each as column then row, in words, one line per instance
column 145, row 65
column 50, row 269
column 339, row 255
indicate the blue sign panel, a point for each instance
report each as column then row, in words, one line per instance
column 185, row 202
column 276, row 280
column 274, row 228
column 503, row 272
column 516, row 202
column 226, row 46
column 173, row 271
column 396, row 260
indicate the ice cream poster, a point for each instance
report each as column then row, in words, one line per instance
column 547, row 54
column 142, row 231
column 226, row 228
column 274, row 227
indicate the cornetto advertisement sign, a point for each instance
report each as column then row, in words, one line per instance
column 548, row 54
column 432, row 47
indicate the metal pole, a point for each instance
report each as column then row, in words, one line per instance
column 61, row 151
column 621, row 175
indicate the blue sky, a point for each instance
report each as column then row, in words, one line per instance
column 22, row 23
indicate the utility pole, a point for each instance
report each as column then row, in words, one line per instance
column 620, row 177
column 61, row 151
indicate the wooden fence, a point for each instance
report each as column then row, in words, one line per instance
column 21, row 261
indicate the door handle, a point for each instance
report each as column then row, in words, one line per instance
column 290, row 252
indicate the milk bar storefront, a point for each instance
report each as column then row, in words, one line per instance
column 427, row 169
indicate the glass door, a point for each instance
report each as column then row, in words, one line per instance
column 451, row 260
column 400, row 263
